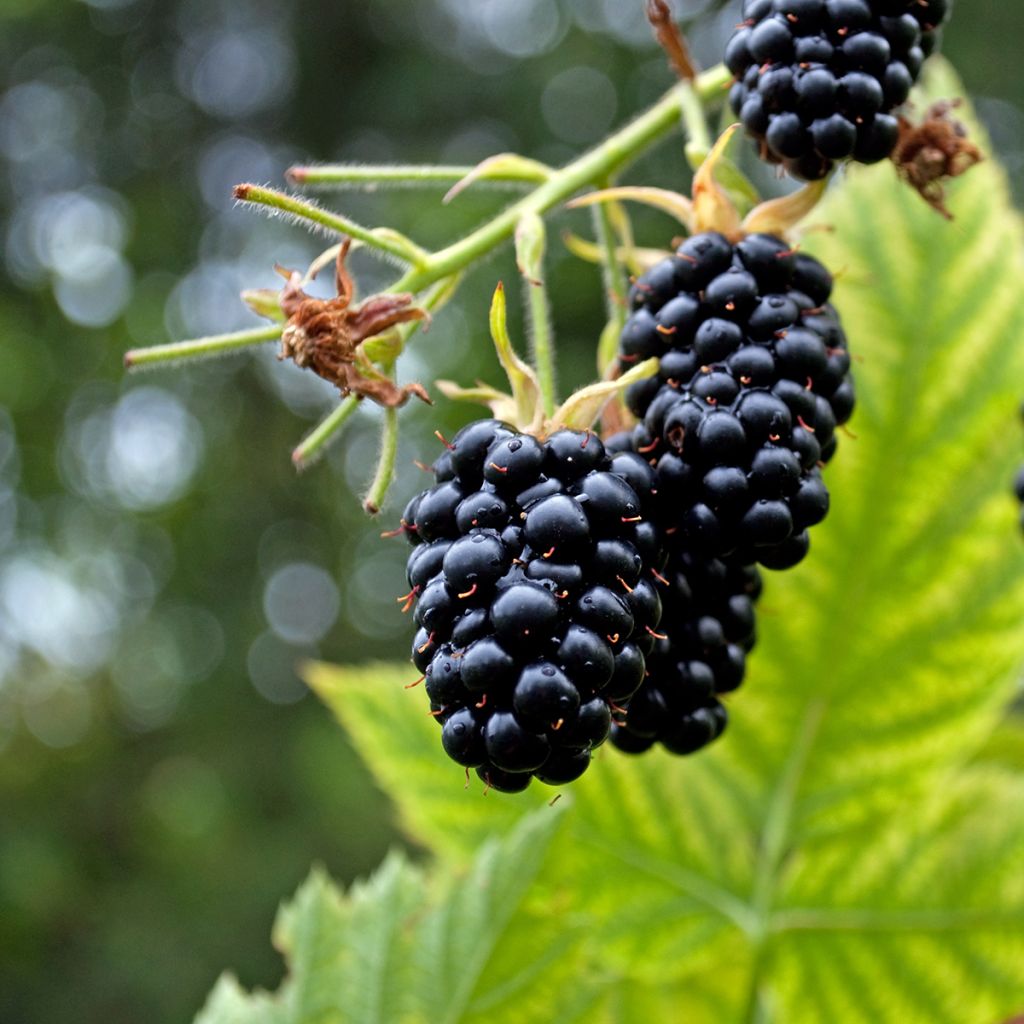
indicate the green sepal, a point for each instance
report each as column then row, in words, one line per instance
column 581, row 410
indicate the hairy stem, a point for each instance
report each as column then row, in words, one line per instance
column 214, row 345
column 385, row 464
column 327, row 430
column 303, row 210
column 616, row 288
column 531, row 246
column 695, row 124
column 371, row 177
column 597, row 165
column 542, row 342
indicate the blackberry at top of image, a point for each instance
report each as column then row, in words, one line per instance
column 817, row 81
column 533, row 577
column 754, row 380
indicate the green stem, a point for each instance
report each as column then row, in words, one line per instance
column 385, row 464
column 329, row 429
column 371, row 176
column 214, row 345
column 695, row 125
column 302, row 209
column 598, row 164
column 541, row 341
column 531, row 245
column 368, row 176
column 616, row 288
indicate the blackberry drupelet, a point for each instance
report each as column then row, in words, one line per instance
column 532, row 577
column 817, row 80
column 754, row 380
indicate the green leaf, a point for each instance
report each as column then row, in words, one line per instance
column 926, row 925
column 1005, row 747
column 393, row 732
column 582, row 408
column 469, row 947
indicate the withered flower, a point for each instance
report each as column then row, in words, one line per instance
column 324, row 335
column 928, row 154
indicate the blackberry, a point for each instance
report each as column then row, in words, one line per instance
column 753, row 381
column 707, row 629
column 817, row 80
column 531, row 580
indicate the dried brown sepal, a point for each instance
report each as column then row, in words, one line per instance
column 671, row 39
column 324, row 335
column 929, row 154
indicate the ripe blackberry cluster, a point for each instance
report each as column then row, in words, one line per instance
column 708, row 628
column 817, row 80
column 531, row 573
column 754, row 380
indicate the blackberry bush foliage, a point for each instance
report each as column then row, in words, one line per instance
column 566, row 589
column 817, row 81
column 753, row 381
column 532, row 576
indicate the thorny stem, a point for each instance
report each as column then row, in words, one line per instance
column 385, row 464
column 214, row 345
column 329, row 428
column 302, row 209
column 596, row 165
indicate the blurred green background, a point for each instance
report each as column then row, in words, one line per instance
column 164, row 776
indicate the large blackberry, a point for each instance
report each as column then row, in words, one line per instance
column 754, row 379
column 532, row 578
column 817, row 80
column 707, row 629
